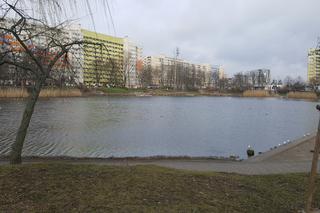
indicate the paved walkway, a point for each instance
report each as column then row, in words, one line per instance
column 247, row 168
column 294, row 157
column 298, row 150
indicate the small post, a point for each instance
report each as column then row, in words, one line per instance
column 314, row 168
column 250, row 152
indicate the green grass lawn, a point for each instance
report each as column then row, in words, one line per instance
column 94, row 188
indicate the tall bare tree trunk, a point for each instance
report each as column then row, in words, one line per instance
column 16, row 149
column 314, row 168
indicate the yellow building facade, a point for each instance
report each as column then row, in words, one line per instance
column 102, row 60
column 314, row 64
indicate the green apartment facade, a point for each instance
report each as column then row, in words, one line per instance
column 103, row 59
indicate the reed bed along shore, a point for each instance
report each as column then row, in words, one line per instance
column 45, row 93
column 303, row 95
column 48, row 93
column 73, row 92
column 256, row 93
column 13, row 93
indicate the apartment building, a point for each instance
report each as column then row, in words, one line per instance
column 103, row 60
column 177, row 73
column 38, row 40
column 132, row 59
column 314, row 64
column 254, row 79
column 259, row 78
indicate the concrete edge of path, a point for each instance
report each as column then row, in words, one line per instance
column 283, row 148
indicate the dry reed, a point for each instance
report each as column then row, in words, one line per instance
column 302, row 95
column 256, row 93
column 45, row 93
column 51, row 93
column 13, row 93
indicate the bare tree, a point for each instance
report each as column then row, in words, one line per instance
column 146, row 76
column 98, row 65
column 37, row 49
column 215, row 79
column 4, row 74
column 299, row 84
column 115, row 70
column 288, row 82
column 128, row 66
column 239, row 82
column 314, row 83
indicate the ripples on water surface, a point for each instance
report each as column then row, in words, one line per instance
column 149, row 126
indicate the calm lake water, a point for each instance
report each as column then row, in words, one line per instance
column 150, row 126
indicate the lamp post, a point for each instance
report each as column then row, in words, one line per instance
column 314, row 168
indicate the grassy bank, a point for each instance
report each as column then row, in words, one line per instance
column 93, row 188
column 45, row 93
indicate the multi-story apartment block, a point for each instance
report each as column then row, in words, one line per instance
column 177, row 73
column 132, row 59
column 259, row 78
column 103, row 60
column 38, row 39
column 73, row 33
column 255, row 79
column 314, row 64
column 221, row 72
column 208, row 78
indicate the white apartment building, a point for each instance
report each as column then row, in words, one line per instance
column 177, row 73
column 132, row 56
column 73, row 33
column 222, row 74
column 41, row 42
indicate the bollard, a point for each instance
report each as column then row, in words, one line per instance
column 250, row 152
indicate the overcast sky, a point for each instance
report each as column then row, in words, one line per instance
column 239, row 34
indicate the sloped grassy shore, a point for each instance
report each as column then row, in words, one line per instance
column 97, row 188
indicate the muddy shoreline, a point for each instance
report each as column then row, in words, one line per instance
column 88, row 159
